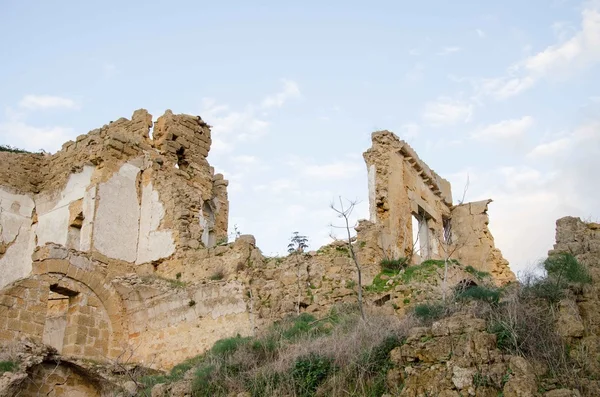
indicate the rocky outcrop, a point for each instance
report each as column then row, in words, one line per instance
column 579, row 312
column 456, row 357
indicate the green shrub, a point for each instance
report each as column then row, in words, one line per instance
column 564, row 266
column 12, row 149
column 7, row 366
column 309, row 372
column 505, row 339
column 422, row 270
column 227, row 346
column 489, row 295
column 428, row 312
column 550, row 290
column 264, row 384
column 393, row 264
column 206, row 383
column 380, row 283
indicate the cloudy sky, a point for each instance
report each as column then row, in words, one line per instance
column 506, row 92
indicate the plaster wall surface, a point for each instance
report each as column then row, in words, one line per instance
column 53, row 208
column 17, row 238
column 116, row 225
column 153, row 243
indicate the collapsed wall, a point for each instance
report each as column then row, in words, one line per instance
column 411, row 208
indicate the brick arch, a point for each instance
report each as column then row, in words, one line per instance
column 24, row 302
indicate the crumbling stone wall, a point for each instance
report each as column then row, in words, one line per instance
column 117, row 192
column 406, row 197
column 403, row 188
column 474, row 242
column 578, row 319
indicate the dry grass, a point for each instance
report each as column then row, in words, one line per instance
column 336, row 355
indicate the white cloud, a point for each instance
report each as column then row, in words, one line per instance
column 449, row 50
column 582, row 50
column 231, row 127
column 549, row 148
column 579, row 52
column 447, row 111
column 22, row 135
column 480, row 33
column 290, row 91
column 529, row 198
column 506, row 129
column 335, row 170
column 35, row 102
column 505, row 87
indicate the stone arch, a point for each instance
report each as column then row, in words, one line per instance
column 25, row 304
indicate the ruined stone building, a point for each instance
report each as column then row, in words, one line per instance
column 413, row 206
column 118, row 242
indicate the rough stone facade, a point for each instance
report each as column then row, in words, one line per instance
column 115, row 192
column 117, row 246
column 412, row 211
column 578, row 315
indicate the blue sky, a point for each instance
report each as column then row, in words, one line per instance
column 507, row 93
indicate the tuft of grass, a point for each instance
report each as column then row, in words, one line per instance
column 217, row 275
column 309, row 372
column 423, row 270
column 393, row 264
column 489, row 295
column 429, row 312
column 379, row 284
column 7, row 366
column 477, row 273
column 224, row 347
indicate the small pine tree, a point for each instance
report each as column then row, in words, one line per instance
column 297, row 245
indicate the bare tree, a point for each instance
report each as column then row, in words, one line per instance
column 466, row 188
column 345, row 213
column 296, row 247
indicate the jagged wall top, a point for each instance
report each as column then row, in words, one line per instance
column 384, row 141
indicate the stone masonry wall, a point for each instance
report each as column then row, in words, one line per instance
column 579, row 319
column 401, row 187
column 474, row 242
column 117, row 192
column 406, row 197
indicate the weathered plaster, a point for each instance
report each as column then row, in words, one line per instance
column 53, row 209
column 16, row 236
column 116, row 224
column 153, row 243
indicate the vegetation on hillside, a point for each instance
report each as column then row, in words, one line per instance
column 341, row 355
column 299, row 355
column 12, row 149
